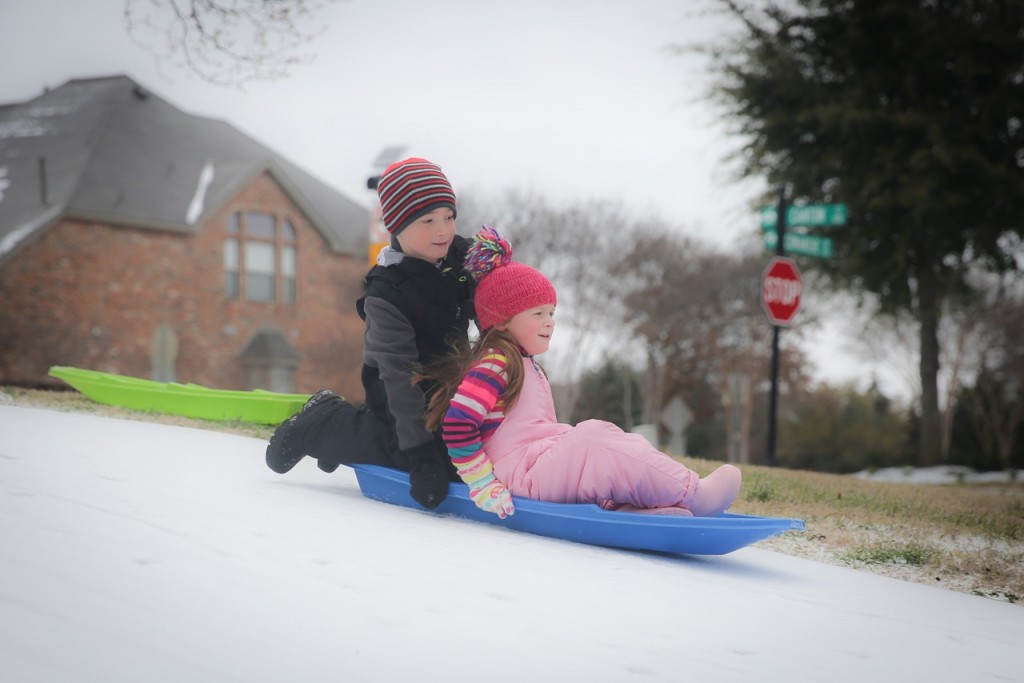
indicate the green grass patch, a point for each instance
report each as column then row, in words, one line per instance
column 912, row 554
column 760, row 492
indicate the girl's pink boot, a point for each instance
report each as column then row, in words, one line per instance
column 716, row 492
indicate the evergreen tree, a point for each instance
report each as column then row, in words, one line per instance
column 908, row 111
column 611, row 393
column 839, row 429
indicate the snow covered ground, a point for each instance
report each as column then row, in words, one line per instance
column 134, row 551
column 938, row 474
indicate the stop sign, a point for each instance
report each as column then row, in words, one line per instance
column 780, row 290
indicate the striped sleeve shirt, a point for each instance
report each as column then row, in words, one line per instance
column 476, row 409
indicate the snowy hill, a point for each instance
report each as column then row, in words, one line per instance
column 140, row 552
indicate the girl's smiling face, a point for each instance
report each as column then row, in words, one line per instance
column 532, row 328
column 429, row 236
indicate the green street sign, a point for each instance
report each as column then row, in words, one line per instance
column 799, row 243
column 828, row 215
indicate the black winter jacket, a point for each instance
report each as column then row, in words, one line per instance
column 414, row 310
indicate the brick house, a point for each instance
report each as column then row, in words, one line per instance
column 138, row 239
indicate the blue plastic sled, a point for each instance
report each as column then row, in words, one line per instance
column 587, row 523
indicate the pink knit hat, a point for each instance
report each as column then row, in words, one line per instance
column 504, row 287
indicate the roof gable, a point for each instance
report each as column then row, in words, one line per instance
column 108, row 150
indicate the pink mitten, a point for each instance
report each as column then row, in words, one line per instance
column 493, row 497
column 487, row 492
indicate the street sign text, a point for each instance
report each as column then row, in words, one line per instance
column 799, row 243
column 808, row 214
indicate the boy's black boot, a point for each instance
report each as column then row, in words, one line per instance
column 286, row 447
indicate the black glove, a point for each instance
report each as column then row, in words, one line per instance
column 428, row 473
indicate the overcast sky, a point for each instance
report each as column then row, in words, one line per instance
column 573, row 99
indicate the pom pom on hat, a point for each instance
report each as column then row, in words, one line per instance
column 489, row 249
column 504, row 287
column 409, row 189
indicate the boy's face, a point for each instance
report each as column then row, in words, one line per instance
column 429, row 236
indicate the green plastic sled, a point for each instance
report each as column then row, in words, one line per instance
column 187, row 400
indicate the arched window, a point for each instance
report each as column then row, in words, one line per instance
column 259, row 258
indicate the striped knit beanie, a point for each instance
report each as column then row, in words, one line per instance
column 504, row 287
column 412, row 188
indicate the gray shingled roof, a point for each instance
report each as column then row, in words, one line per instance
column 116, row 153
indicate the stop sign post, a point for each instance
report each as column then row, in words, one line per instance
column 780, row 296
column 780, row 290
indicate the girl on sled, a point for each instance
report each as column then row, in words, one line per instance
column 496, row 413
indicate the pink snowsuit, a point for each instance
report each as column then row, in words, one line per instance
column 536, row 457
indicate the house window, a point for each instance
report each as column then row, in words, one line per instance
column 288, row 263
column 259, row 258
column 259, row 271
column 271, row 361
column 231, row 279
column 163, row 353
column 272, row 378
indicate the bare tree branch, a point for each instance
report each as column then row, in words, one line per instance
column 226, row 42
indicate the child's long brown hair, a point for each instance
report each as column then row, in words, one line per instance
column 449, row 372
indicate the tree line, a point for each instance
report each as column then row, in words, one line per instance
column 907, row 111
column 652, row 314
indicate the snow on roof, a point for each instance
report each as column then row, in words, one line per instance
column 13, row 238
column 195, row 207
